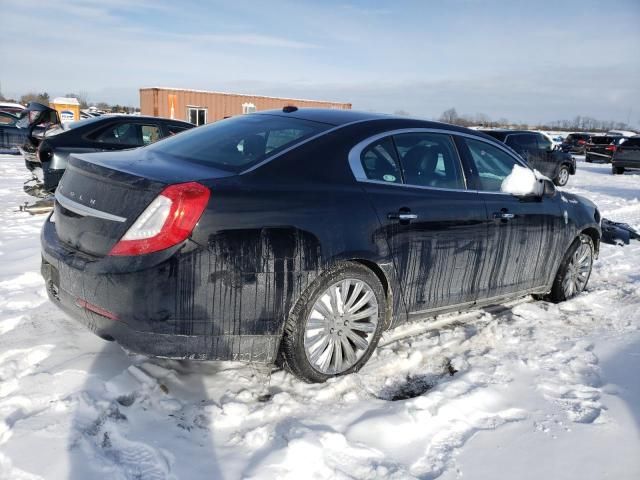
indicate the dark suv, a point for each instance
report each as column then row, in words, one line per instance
column 539, row 153
column 601, row 147
column 575, row 143
column 626, row 155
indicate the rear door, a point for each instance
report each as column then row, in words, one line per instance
column 520, row 229
column 435, row 227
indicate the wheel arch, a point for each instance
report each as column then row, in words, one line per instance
column 594, row 234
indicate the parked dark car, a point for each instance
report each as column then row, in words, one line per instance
column 301, row 235
column 575, row 143
column 601, row 148
column 626, row 155
column 539, row 153
column 49, row 159
column 16, row 131
column 12, row 108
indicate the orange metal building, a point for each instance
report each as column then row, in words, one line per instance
column 201, row 106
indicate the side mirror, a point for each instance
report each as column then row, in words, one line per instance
column 548, row 188
column 521, row 182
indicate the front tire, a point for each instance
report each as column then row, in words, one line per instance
column 588, row 159
column 335, row 325
column 575, row 270
column 617, row 170
column 563, row 176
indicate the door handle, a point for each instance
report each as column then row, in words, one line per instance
column 503, row 215
column 402, row 216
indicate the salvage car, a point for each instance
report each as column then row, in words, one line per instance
column 539, row 153
column 626, row 156
column 299, row 236
column 48, row 160
column 16, row 131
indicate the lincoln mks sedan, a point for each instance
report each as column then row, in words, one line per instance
column 299, row 236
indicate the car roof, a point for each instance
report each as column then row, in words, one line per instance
column 327, row 115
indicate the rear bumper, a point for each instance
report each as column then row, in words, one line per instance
column 626, row 163
column 149, row 318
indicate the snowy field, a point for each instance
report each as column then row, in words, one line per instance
column 529, row 390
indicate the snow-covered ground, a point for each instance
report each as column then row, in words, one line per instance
column 528, row 390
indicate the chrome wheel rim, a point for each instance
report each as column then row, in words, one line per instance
column 340, row 326
column 578, row 271
column 564, row 176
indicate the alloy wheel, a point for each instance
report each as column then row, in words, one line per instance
column 578, row 271
column 563, row 176
column 340, row 326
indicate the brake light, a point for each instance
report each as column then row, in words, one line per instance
column 610, row 148
column 167, row 221
column 581, row 142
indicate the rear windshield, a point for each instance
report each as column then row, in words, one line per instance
column 238, row 143
column 602, row 140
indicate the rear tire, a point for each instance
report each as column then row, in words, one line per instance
column 617, row 170
column 335, row 325
column 575, row 270
column 563, row 176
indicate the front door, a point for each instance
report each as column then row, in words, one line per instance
column 435, row 227
column 520, row 229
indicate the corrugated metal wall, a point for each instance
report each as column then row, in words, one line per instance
column 159, row 102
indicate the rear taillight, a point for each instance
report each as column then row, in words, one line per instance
column 167, row 221
column 610, row 148
column 581, row 142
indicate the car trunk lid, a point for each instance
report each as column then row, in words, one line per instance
column 101, row 195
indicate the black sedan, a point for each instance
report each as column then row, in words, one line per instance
column 49, row 155
column 539, row 153
column 301, row 235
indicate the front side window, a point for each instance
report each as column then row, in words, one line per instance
column 543, row 142
column 379, row 162
column 429, row 160
column 150, row 134
column 492, row 164
column 240, row 142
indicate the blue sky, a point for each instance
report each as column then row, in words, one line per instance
column 524, row 60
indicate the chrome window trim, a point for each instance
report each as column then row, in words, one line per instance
column 360, row 176
column 84, row 210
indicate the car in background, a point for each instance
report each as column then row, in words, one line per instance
column 575, row 142
column 626, row 156
column 16, row 132
column 13, row 108
column 299, row 236
column 105, row 133
column 539, row 153
column 601, row 148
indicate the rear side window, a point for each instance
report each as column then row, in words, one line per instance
column 238, row 143
column 522, row 142
column 632, row 142
column 429, row 160
column 380, row 163
column 492, row 164
column 134, row 134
